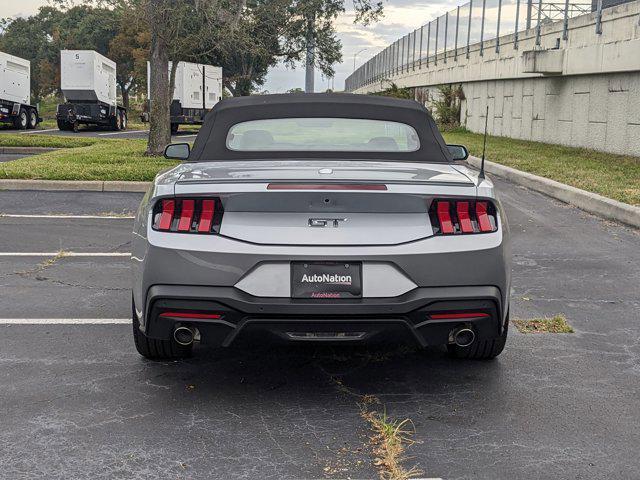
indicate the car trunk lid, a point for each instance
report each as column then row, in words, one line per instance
column 324, row 203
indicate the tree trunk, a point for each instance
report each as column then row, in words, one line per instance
column 159, row 123
column 309, row 79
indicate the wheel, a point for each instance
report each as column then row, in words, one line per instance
column 123, row 120
column 174, row 128
column 116, row 123
column 33, row 119
column 482, row 349
column 62, row 125
column 21, row 120
column 156, row 349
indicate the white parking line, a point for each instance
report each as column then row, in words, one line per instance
column 65, row 254
column 100, row 217
column 39, row 131
column 64, row 321
column 121, row 133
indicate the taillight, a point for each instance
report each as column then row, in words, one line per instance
column 188, row 215
column 458, row 217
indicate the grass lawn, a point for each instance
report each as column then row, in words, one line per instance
column 614, row 176
column 101, row 159
column 40, row 140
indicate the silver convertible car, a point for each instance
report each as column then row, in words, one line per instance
column 320, row 218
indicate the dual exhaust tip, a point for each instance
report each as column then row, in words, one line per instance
column 462, row 336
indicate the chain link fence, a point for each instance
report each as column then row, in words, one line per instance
column 451, row 35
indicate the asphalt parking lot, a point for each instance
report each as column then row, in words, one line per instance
column 76, row 400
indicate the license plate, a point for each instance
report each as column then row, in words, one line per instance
column 326, row 280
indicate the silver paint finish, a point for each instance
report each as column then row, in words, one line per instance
column 274, row 280
column 309, row 170
column 160, row 258
column 289, row 228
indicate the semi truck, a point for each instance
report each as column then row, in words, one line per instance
column 15, row 93
column 197, row 89
column 88, row 83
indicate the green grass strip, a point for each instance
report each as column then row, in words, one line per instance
column 102, row 160
column 614, row 176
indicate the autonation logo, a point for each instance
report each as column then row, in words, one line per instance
column 326, row 278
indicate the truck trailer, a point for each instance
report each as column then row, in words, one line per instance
column 15, row 93
column 189, row 106
column 88, row 83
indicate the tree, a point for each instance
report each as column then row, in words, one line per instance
column 312, row 27
column 180, row 30
column 129, row 48
column 247, row 51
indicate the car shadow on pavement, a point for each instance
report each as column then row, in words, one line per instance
column 381, row 369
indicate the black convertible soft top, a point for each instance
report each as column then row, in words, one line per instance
column 210, row 143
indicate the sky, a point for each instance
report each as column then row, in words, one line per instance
column 400, row 17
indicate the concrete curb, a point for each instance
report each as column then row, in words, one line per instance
column 75, row 185
column 587, row 201
column 26, row 150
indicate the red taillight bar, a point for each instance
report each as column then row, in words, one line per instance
column 462, row 209
column 168, row 207
column 326, row 186
column 210, row 316
column 186, row 215
column 483, row 217
column 463, row 216
column 454, row 316
column 444, row 216
column 206, row 217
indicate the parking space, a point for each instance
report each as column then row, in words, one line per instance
column 78, row 402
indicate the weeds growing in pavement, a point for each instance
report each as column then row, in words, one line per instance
column 556, row 324
column 389, row 437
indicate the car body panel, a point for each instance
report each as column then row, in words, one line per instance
column 322, row 170
column 244, row 266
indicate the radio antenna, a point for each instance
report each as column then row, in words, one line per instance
column 484, row 145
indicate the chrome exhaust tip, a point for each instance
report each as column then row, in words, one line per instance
column 463, row 336
column 184, row 336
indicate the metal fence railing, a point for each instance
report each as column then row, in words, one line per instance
column 451, row 35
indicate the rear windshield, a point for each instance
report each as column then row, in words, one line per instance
column 322, row 135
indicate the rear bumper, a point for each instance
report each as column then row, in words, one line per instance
column 304, row 320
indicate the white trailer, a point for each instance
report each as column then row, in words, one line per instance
column 190, row 104
column 15, row 92
column 88, row 83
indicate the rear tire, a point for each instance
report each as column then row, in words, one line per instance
column 156, row 349
column 22, row 120
column 482, row 349
column 116, row 122
column 33, row 119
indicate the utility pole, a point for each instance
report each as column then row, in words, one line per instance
column 309, row 86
